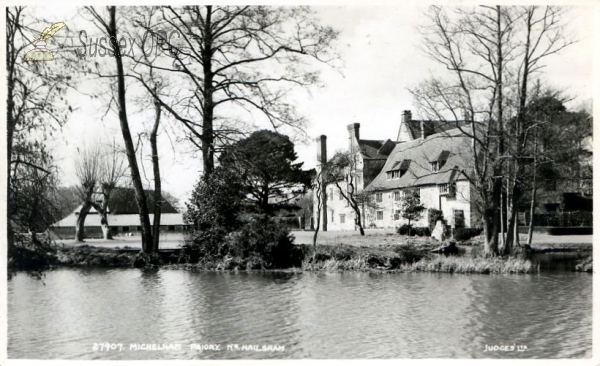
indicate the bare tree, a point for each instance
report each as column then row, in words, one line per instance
column 490, row 54
column 108, row 23
column 111, row 170
column 235, row 56
column 35, row 108
column 543, row 29
column 341, row 172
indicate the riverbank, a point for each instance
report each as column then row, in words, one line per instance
column 325, row 258
column 375, row 252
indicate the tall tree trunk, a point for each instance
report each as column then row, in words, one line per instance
column 318, row 218
column 488, row 231
column 106, row 234
column 498, row 171
column 140, row 196
column 80, row 226
column 515, row 196
column 10, row 128
column 157, row 183
column 358, row 222
column 103, row 212
column 533, row 191
column 208, row 106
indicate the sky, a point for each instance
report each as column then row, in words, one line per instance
column 381, row 56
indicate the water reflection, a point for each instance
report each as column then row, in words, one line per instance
column 324, row 315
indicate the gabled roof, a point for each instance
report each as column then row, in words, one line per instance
column 419, row 153
column 372, row 149
column 122, row 202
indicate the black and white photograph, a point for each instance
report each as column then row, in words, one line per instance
column 331, row 182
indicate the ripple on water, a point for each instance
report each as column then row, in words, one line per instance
column 334, row 315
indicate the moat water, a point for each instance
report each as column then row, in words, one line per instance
column 175, row 314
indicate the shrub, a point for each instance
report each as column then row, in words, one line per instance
column 403, row 230
column 212, row 213
column 263, row 238
column 412, row 231
column 462, row 234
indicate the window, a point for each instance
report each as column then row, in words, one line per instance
column 459, row 218
column 379, row 197
column 397, row 196
column 444, row 188
column 418, row 194
column 379, row 215
column 332, row 220
column 171, row 227
column 396, row 215
column 395, row 174
column 448, row 189
column 342, row 219
column 434, row 166
column 125, row 228
column 340, row 196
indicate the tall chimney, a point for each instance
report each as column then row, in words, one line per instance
column 406, row 116
column 322, row 149
column 354, row 135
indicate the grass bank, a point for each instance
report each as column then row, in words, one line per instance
column 327, row 258
column 587, row 265
column 468, row 264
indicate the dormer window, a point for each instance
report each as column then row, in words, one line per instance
column 438, row 163
column 398, row 169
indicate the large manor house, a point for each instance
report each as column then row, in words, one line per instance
column 427, row 157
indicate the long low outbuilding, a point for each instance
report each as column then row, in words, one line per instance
column 125, row 224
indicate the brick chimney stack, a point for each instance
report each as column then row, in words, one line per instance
column 406, row 116
column 354, row 135
column 322, row 149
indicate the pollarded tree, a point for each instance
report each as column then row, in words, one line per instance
column 265, row 163
column 87, row 170
column 111, row 170
column 228, row 57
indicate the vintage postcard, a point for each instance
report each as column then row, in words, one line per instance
column 330, row 182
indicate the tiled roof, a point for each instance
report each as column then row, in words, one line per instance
column 400, row 165
column 122, row 201
column 370, row 149
column 421, row 153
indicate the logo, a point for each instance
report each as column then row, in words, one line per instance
column 40, row 52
